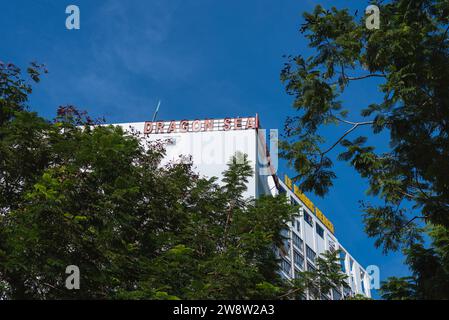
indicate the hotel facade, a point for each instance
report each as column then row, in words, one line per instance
column 210, row 143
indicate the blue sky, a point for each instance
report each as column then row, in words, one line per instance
column 202, row 58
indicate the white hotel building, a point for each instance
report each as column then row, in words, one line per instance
column 212, row 142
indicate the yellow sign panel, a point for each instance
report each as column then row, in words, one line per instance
column 319, row 214
column 288, row 182
column 309, row 204
column 324, row 220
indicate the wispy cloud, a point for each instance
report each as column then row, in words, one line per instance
column 128, row 43
column 135, row 34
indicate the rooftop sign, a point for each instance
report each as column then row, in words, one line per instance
column 226, row 124
column 309, row 204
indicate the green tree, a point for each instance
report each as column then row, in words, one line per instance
column 430, row 276
column 407, row 59
column 319, row 281
column 358, row 297
column 76, row 193
column 398, row 288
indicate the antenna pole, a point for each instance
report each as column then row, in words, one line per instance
column 156, row 111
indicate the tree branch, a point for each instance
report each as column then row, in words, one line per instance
column 355, row 126
column 371, row 75
column 411, row 220
column 406, row 194
column 354, row 123
column 444, row 38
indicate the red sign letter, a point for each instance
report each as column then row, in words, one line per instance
column 237, row 123
column 250, row 123
column 184, row 126
column 148, row 127
column 196, row 125
column 160, row 127
column 227, row 124
column 208, row 125
column 172, row 127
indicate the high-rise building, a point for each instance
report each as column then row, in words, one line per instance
column 210, row 143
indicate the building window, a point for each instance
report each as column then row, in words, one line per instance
column 325, row 296
column 285, row 249
column 319, row 230
column 342, row 261
column 297, row 241
column 297, row 273
column 347, row 292
column 284, row 233
column 308, row 219
column 314, row 293
column 298, row 259
column 310, row 267
column 362, row 282
column 336, row 294
column 331, row 246
column 287, row 245
column 298, row 226
column 286, row 267
column 310, row 253
column 292, row 201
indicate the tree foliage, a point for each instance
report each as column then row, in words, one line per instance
column 430, row 276
column 320, row 281
column 75, row 192
column 407, row 60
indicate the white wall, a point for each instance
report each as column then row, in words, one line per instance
column 210, row 150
